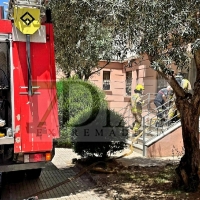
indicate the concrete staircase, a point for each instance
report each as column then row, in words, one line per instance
column 151, row 135
column 149, row 132
column 153, row 138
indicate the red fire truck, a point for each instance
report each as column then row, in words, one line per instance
column 28, row 102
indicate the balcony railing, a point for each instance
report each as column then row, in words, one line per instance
column 128, row 87
column 106, row 84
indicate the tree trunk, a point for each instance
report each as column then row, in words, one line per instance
column 87, row 76
column 187, row 170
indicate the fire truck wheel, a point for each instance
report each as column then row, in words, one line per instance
column 33, row 173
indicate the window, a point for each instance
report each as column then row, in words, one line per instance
column 128, row 83
column 106, row 80
column 161, row 82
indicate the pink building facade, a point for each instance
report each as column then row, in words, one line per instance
column 119, row 82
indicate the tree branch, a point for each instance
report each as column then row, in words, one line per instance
column 178, row 90
column 108, row 61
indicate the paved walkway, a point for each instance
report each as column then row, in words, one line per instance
column 136, row 159
column 62, row 168
column 59, row 170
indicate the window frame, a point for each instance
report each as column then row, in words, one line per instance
column 128, row 83
column 106, row 80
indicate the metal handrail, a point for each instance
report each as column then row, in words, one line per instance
column 151, row 130
column 146, row 98
column 146, row 107
column 149, row 120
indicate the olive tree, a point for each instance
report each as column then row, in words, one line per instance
column 168, row 32
column 83, row 35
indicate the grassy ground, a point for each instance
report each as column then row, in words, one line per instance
column 131, row 183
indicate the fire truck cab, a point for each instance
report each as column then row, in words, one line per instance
column 28, row 101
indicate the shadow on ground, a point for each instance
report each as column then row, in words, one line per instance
column 55, row 172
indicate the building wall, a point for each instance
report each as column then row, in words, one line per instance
column 170, row 145
column 116, row 96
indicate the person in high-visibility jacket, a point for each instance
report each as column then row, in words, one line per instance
column 159, row 102
column 185, row 84
column 136, row 103
column 172, row 111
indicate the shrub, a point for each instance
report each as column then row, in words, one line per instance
column 97, row 135
column 75, row 96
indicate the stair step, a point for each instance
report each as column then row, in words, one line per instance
column 149, row 128
column 138, row 148
column 148, row 136
column 153, row 133
column 140, row 140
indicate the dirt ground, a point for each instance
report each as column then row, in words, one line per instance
column 131, row 183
